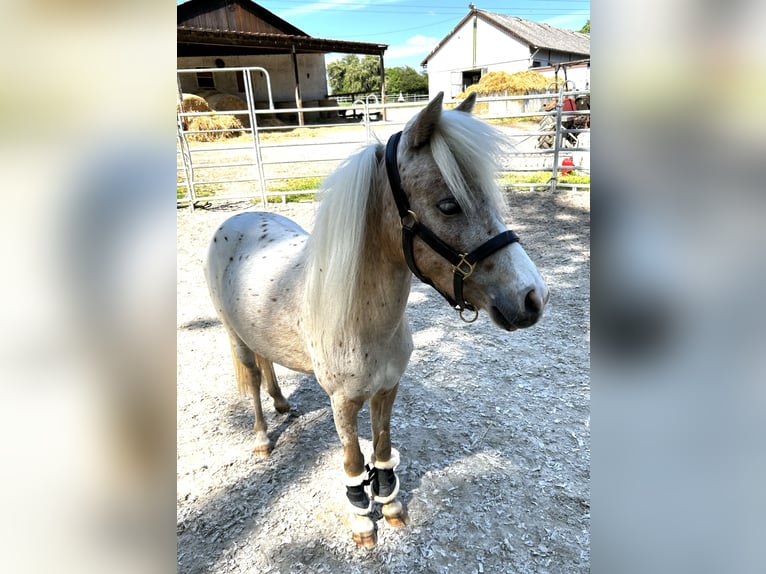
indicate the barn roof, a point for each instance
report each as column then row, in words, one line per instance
column 236, row 27
column 536, row 34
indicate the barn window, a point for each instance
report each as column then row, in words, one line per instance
column 471, row 77
column 205, row 80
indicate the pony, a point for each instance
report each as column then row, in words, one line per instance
column 332, row 303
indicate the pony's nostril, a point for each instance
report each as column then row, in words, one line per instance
column 533, row 302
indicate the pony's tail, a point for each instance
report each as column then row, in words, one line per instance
column 336, row 243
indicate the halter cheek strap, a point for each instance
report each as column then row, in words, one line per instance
column 463, row 264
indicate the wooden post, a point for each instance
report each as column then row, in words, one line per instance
column 383, row 88
column 298, row 98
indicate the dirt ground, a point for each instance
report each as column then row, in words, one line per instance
column 493, row 430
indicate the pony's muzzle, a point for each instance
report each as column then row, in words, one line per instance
column 511, row 315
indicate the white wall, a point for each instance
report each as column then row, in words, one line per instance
column 495, row 51
column 579, row 74
column 311, row 70
column 498, row 51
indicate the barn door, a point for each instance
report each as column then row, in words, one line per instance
column 456, row 83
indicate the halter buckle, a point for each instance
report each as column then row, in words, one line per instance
column 459, row 267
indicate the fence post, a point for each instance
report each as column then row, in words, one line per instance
column 557, row 138
column 186, row 160
column 256, row 135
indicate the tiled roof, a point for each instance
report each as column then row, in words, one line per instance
column 541, row 35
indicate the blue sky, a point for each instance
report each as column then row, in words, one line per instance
column 412, row 28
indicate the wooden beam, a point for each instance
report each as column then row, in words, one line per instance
column 298, row 98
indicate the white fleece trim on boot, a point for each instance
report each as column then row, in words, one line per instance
column 360, row 511
column 392, row 462
column 390, row 497
column 354, row 480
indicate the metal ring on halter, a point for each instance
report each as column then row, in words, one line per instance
column 472, row 319
column 410, row 214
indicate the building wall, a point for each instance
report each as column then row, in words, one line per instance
column 311, row 71
column 579, row 75
column 495, row 51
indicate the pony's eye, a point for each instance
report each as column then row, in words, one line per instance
column 449, row 206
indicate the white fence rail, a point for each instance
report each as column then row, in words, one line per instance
column 272, row 158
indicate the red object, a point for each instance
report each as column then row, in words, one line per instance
column 568, row 162
column 569, row 105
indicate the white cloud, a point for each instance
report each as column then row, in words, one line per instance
column 416, row 46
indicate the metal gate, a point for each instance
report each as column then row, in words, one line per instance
column 253, row 167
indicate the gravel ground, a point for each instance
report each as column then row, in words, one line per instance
column 493, row 430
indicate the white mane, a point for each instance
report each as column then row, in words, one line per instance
column 335, row 245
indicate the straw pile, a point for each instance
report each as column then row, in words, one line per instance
column 230, row 124
column 505, row 84
column 221, row 102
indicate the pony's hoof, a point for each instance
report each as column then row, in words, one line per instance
column 262, row 450
column 364, row 533
column 282, row 406
column 395, row 514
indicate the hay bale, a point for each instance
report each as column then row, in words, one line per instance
column 230, row 125
column 191, row 103
column 505, row 84
column 222, row 102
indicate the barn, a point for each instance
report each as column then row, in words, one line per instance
column 485, row 42
column 238, row 33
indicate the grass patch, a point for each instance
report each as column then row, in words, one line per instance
column 525, row 122
column 292, row 198
column 309, row 184
column 542, row 177
column 200, row 190
column 297, row 185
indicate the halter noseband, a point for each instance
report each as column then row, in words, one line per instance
column 463, row 264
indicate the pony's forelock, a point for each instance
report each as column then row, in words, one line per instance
column 468, row 153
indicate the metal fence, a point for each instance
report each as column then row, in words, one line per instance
column 272, row 156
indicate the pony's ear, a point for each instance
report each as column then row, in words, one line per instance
column 420, row 131
column 467, row 104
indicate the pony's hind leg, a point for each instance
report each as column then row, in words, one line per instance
column 385, row 484
column 249, row 376
column 266, row 368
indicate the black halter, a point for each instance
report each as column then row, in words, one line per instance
column 463, row 264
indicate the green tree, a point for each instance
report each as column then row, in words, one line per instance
column 405, row 80
column 586, row 28
column 351, row 75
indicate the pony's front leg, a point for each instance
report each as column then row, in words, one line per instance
column 385, row 483
column 345, row 413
